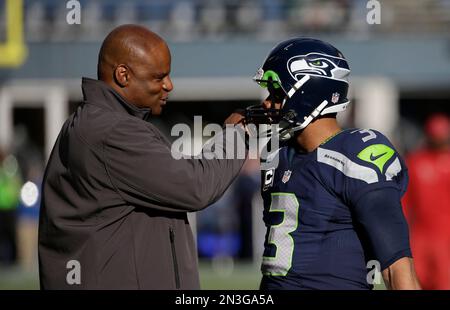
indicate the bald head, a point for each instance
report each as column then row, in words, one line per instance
column 136, row 63
column 126, row 44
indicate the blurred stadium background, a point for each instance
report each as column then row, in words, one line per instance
column 400, row 75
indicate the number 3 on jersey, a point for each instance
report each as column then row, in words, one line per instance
column 280, row 235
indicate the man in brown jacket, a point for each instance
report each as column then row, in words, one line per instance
column 115, row 201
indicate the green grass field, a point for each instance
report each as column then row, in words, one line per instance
column 241, row 276
column 244, row 276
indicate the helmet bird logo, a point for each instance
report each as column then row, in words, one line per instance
column 316, row 64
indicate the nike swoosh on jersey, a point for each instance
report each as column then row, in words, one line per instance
column 384, row 153
column 374, row 158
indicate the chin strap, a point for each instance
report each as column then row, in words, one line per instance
column 292, row 126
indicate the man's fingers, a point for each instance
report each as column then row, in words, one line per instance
column 235, row 118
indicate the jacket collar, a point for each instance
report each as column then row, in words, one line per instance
column 101, row 94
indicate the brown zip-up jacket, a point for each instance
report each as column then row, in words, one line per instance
column 115, row 201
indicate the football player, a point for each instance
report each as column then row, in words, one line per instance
column 332, row 201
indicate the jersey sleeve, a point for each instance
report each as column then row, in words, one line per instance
column 371, row 180
column 385, row 234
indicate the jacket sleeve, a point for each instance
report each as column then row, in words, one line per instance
column 145, row 173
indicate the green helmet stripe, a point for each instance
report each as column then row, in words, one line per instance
column 270, row 75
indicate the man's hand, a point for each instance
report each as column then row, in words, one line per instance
column 401, row 275
column 235, row 118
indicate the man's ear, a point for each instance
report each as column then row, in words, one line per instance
column 121, row 75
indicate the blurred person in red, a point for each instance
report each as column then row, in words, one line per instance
column 427, row 204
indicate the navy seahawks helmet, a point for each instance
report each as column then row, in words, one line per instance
column 308, row 77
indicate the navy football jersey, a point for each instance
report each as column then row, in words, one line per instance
column 311, row 240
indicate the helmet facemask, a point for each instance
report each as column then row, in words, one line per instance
column 257, row 114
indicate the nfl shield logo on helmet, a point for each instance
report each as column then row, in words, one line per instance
column 286, row 176
column 335, row 97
